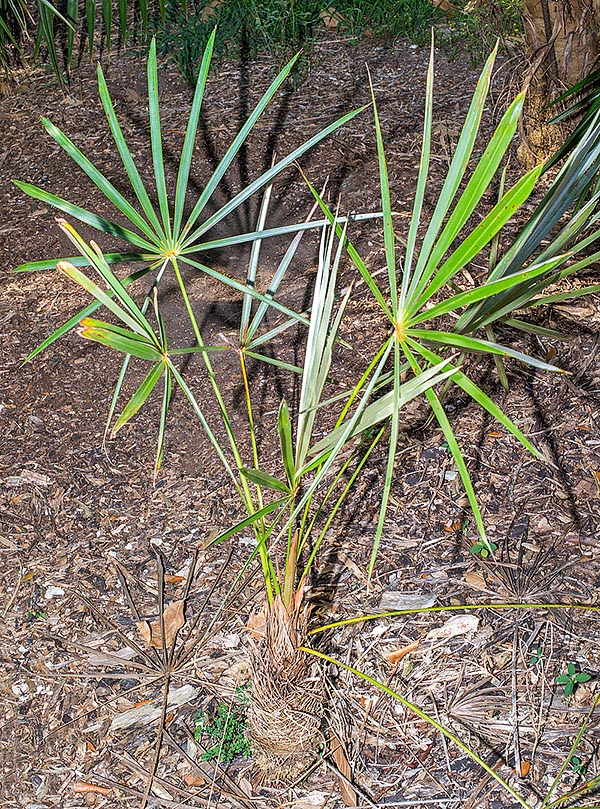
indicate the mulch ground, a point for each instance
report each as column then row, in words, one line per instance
column 88, row 539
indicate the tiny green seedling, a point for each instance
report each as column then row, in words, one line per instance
column 571, row 679
column 578, row 766
column 483, row 548
column 34, row 615
column 227, row 731
column 537, row 657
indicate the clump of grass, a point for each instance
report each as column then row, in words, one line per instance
column 478, row 25
column 277, row 26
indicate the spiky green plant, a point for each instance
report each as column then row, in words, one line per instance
column 167, row 236
column 428, row 314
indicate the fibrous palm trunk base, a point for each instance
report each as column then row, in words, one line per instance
column 287, row 697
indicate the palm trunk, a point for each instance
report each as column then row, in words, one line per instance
column 287, row 700
column 562, row 39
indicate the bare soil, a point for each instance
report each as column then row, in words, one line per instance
column 79, row 525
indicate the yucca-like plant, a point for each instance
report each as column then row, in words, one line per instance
column 429, row 314
column 167, row 236
column 291, row 512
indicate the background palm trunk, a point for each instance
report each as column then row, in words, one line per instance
column 562, row 39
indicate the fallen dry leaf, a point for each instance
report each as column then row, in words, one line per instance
column 257, row 624
column 475, row 579
column 331, row 18
column 458, row 625
column 82, row 787
column 525, row 767
column 348, row 794
column 396, row 656
column 193, row 780
column 173, row 619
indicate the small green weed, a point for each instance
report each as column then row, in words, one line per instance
column 537, row 657
column 578, row 766
column 571, row 679
column 226, row 730
column 483, row 548
column 34, row 615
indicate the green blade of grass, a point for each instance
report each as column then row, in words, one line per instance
column 230, row 154
column 476, row 187
column 284, row 429
column 475, row 392
column 133, row 174
column 126, row 345
column 248, row 521
column 72, row 17
column 442, row 420
column 267, row 177
column 82, row 261
column 90, row 21
column 481, row 235
column 478, row 345
column 424, row 161
column 80, row 278
column 485, row 291
column 107, row 188
column 237, row 285
column 424, row 716
column 264, row 480
column 92, row 219
column 386, row 207
column 456, row 171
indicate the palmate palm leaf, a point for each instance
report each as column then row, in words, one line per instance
column 166, row 235
column 415, row 306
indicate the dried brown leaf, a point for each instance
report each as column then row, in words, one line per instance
column 173, row 619
column 348, row 794
column 257, row 623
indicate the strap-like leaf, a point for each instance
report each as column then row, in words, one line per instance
column 88, row 217
column 264, row 480
column 140, row 397
column 190, row 137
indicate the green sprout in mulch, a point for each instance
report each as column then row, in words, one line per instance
column 226, row 731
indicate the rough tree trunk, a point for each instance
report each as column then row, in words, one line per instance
column 562, row 40
column 287, row 698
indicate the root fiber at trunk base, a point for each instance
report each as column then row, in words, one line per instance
column 286, row 704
